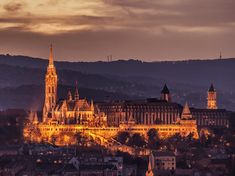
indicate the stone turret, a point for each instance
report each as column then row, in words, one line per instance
column 165, row 94
column 211, row 98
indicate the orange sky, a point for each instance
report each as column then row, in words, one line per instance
column 90, row 30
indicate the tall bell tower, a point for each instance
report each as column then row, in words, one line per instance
column 50, row 89
column 211, row 98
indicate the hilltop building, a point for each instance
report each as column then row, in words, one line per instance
column 211, row 118
column 144, row 112
column 50, row 89
column 63, row 119
column 211, row 98
column 72, row 110
column 164, row 111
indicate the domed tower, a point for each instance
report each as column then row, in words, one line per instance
column 50, row 89
column 165, row 94
column 211, row 98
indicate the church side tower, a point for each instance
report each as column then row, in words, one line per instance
column 165, row 94
column 186, row 113
column 211, row 98
column 76, row 95
column 50, row 89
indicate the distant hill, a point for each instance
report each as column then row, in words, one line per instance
column 32, row 96
column 195, row 72
column 14, row 76
column 187, row 80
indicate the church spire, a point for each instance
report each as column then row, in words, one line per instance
column 92, row 105
column 51, row 60
column 149, row 172
column 186, row 113
column 70, row 97
column 149, row 166
column 76, row 96
column 211, row 89
column 50, row 89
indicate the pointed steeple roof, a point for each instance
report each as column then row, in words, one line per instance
column 70, row 96
column 212, row 89
column 149, row 166
column 51, row 59
column 31, row 116
column 92, row 105
column 35, row 119
column 186, row 109
column 151, row 162
column 165, row 90
column 186, row 113
column 76, row 96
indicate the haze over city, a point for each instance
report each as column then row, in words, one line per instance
column 82, row 30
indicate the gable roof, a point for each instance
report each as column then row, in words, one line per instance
column 73, row 105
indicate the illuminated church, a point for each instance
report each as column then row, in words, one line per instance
column 73, row 115
column 72, row 110
column 103, row 121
